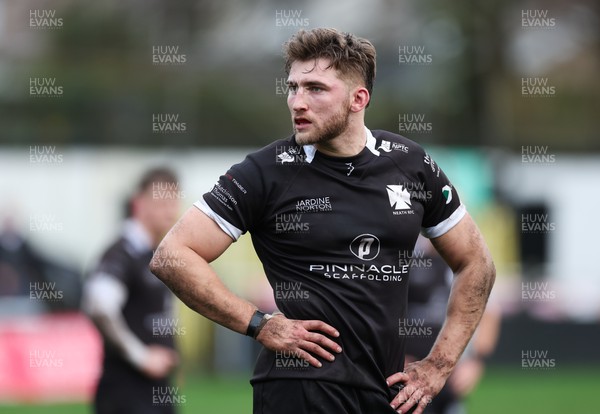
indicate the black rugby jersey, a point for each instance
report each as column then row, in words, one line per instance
column 331, row 234
column 149, row 305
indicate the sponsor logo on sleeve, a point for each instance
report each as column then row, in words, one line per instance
column 447, row 193
column 236, row 183
column 429, row 161
column 224, row 196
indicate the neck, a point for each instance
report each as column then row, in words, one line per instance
column 152, row 237
column 348, row 144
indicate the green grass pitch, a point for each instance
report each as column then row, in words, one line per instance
column 503, row 390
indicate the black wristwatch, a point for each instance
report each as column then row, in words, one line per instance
column 258, row 321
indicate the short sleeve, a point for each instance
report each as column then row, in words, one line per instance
column 236, row 199
column 443, row 209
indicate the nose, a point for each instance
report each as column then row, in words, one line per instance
column 297, row 101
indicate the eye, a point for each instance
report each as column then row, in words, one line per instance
column 292, row 88
column 315, row 89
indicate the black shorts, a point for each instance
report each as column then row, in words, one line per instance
column 292, row 396
column 124, row 390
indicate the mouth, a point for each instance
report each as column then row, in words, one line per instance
column 301, row 122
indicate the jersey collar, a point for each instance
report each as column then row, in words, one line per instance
column 310, row 150
column 371, row 142
column 137, row 236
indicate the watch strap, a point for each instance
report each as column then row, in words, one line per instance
column 255, row 324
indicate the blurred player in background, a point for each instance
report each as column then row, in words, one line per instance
column 23, row 265
column 20, row 264
column 429, row 288
column 125, row 301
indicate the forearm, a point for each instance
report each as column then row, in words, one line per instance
column 103, row 302
column 115, row 331
column 468, row 298
column 199, row 287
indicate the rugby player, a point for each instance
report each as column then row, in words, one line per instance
column 335, row 347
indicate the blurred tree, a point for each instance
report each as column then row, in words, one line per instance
column 224, row 91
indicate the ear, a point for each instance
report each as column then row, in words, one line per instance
column 135, row 204
column 360, row 99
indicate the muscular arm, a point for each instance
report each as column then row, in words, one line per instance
column 198, row 240
column 465, row 251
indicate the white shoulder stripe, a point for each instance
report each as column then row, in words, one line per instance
column 443, row 227
column 226, row 226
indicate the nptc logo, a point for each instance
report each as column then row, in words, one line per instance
column 365, row 247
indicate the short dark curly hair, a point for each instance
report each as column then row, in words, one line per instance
column 352, row 56
column 147, row 181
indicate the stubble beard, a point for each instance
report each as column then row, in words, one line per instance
column 337, row 125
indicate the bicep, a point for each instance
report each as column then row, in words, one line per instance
column 198, row 232
column 462, row 245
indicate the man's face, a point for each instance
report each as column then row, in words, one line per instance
column 158, row 208
column 319, row 101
